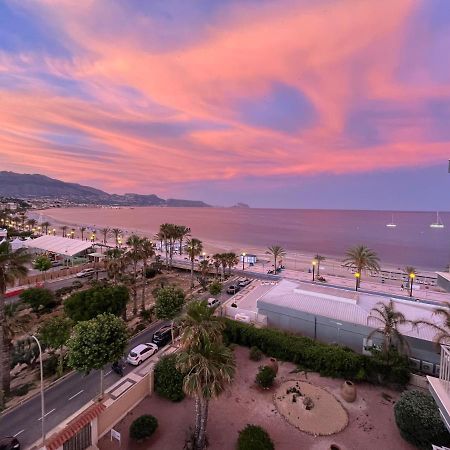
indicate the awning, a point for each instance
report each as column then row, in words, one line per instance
column 57, row 244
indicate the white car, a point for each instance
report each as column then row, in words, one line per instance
column 213, row 302
column 85, row 273
column 141, row 352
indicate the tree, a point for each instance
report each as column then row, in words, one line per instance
column 116, row 263
column 193, row 248
column 88, row 304
column 39, row 298
column 147, row 252
column 55, row 333
column 105, row 231
column 276, row 252
column 319, row 259
column 45, row 226
column 215, row 287
column 217, row 262
column 183, row 232
column 168, row 379
column 232, row 260
column 116, row 232
column 203, row 268
column 134, row 253
column 82, row 230
column 64, row 230
column 42, row 263
column 95, row 343
column 361, row 258
column 443, row 331
column 12, row 267
column 143, row 427
column 169, row 302
column 253, row 437
column 389, row 320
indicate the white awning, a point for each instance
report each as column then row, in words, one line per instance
column 57, row 244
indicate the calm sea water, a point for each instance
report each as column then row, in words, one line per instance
column 412, row 242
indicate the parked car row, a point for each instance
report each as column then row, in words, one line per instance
column 141, row 352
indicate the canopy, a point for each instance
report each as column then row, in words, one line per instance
column 57, row 244
column 16, row 244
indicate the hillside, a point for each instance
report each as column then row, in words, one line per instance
column 29, row 186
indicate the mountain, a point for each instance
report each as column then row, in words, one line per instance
column 29, row 186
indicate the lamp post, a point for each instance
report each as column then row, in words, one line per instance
column 92, row 237
column 243, row 261
column 314, row 263
column 411, row 282
column 357, row 278
column 42, row 389
column 119, row 241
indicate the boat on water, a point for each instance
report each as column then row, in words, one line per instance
column 438, row 223
column 391, row 224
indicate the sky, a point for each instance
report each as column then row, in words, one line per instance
column 286, row 103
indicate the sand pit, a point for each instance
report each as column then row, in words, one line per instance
column 310, row 408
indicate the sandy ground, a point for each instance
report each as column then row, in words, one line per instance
column 371, row 418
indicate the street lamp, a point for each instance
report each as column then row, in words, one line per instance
column 54, row 232
column 412, row 275
column 42, row 389
column 243, row 260
column 314, row 263
column 357, row 278
column 92, row 237
column 119, row 241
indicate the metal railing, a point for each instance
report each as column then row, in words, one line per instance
column 444, row 371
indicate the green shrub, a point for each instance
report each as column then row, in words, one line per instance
column 215, row 288
column 253, row 437
column 151, row 272
column 255, row 354
column 168, row 379
column 143, row 427
column 418, row 419
column 50, row 366
column 21, row 390
column 328, row 360
column 265, row 376
column 40, row 299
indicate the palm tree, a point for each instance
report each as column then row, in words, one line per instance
column 217, row 262
column 389, row 320
column 105, row 231
column 361, row 258
column 193, row 248
column 12, row 267
column 147, row 252
column 276, row 252
column 115, row 263
column 134, row 253
column 183, row 232
column 443, row 331
column 82, row 230
column 232, row 260
column 410, row 270
column 45, row 226
column 209, row 365
column 164, row 233
column 64, row 229
column 319, row 259
column 203, row 267
column 116, row 232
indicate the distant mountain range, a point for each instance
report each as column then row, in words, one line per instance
column 29, row 186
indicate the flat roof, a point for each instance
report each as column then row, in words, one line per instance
column 57, row 244
column 300, row 297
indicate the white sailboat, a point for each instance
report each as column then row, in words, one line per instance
column 438, row 223
column 392, row 224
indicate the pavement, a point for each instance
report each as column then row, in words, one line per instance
column 62, row 399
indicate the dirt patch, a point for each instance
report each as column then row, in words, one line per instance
column 310, row 408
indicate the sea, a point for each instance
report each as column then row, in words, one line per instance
column 328, row 232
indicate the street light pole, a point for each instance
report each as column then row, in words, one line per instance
column 357, row 277
column 42, row 389
column 314, row 269
column 411, row 282
column 243, row 261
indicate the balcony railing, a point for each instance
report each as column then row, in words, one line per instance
column 444, row 371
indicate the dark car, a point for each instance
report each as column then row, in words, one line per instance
column 9, row 443
column 163, row 336
column 233, row 288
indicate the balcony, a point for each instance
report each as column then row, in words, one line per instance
column 440, row 387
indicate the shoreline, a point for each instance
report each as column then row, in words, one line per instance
column 300, row 261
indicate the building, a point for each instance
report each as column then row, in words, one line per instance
column 249, row 259
column 334, row 315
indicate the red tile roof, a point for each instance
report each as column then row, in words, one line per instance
column 74, row 426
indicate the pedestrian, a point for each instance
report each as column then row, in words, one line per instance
column 402, row 287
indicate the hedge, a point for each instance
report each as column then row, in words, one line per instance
column 168, row 379
column 143, row 427
column 418, row 419
column 253, row 437
column 328, row 360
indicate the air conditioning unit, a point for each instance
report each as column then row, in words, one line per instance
column 415, row 363
column 427, row 367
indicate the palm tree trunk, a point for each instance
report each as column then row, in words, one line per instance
column 274, row 265
column 318, row 267
column 198, row 416
column 135, row 290
column 201, row 441
column 192, row 273
column 181, row 246
column 143, row 287
column 4, row 350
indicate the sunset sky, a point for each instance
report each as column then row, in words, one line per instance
column 287, row 103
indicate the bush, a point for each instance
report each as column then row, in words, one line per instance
column 40, row 299
column 168, row 379
column 21, row 390
column 151, row 272
column 143, row 427
column 265, row 377
column 328, row 360
column 418, row 419
column 50, row 366
column 253, row 437
column 255, row 354
column 215, row 288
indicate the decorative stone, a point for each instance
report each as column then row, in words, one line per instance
column 348, row 391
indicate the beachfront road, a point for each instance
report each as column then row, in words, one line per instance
column 62, row 399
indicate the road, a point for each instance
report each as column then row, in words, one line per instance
column 62, row 399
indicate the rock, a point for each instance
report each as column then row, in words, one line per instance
column 17, row 369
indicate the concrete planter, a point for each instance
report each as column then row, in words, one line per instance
column 348, row 391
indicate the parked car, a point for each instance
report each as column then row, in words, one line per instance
column 163, row 336
column 233, row 288
column 9, row 443
column 141, row 352
column 244, row 282
column 213, row 302
column 56, row 263
column 85, row 273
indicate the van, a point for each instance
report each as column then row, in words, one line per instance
column 212, row 302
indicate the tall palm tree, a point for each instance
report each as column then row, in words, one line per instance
column 361, row 258
column 164, row 233
column 193, row 248
column 183, row 232
column 209, row 365
column 204, row 267
column 134, row 253
column 45, row 226
column 64, row 230
column 217, row 262
column 147, row 252
column 115, row 263
column 319, row 259
column 443, row 331
column 232, row 261
column 82, row 230
column 389, row 320
column 410, row 270
column 105, row 231
column 276, row 252
column 12, row 267
column 116, row 232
